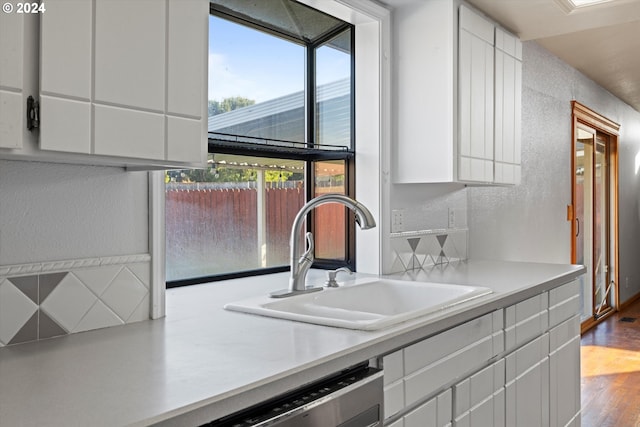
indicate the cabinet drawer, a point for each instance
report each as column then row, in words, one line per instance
column 433, row 377
column 435, row 362
column 564, row 333
column 564, row 303
column 446, row 344
column 525, row 321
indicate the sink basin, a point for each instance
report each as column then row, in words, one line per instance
column 368, row 304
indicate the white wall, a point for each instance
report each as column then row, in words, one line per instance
column 426, row 206
column 51, row 212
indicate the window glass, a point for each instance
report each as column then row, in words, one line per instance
column 330, row 219
column 256, row 83
column 234, row 216
column 333, row 91
column 280, row 114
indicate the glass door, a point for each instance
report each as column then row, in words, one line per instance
column 592, row 220
column 601, row 281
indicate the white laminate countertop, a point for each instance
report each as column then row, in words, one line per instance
column 202, row 362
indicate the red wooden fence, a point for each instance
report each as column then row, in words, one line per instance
column 212, row 231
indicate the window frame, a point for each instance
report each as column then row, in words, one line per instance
column 310, row 154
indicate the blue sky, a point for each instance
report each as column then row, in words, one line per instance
column 272, row 68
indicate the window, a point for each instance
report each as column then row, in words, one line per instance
column 281, row 108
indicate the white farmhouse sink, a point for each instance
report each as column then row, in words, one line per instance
column 368, row 304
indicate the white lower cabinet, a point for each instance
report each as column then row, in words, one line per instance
column 480, row 399
column 434, row 413
column 527, row 385
column 517, row 366
column 564, row 372
column 418, row 378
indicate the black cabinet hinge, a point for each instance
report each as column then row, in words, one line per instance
column 33, row 113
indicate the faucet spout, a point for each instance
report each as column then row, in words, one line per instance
column 300, row 265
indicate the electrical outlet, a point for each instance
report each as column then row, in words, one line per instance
column 397, row 220
column 452, row 218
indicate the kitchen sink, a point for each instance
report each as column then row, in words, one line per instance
column 367, row 304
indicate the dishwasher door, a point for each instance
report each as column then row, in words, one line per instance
column 353, row 398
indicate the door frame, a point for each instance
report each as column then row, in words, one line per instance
column 582, row 114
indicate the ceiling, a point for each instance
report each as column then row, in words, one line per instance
column 601, row 41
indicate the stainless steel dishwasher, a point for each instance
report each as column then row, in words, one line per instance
column 352, row 398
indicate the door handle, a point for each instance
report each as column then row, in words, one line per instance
column 577, row 227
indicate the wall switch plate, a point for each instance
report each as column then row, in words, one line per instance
column 397, row 220
column 451, row 223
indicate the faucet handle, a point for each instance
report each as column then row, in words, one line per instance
column 331, row 276
column 307, row 256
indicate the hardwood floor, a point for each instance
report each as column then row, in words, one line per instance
column 610, row 384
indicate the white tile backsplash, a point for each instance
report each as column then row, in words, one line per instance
column 15, row 310
column 69, row 302
column 99, row 278
column 57, row 298
column 124, row 293
column 99, row 316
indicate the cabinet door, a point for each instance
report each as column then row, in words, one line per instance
column 434, row 413
column 527, row 385
column 125, row 79
column 66, row 76
column 17, row 78
column 564, row 303
column 525, row 320
column 393, row 365
column 480, row 399
column 564, row 367
column 475, row 94
column 508, row 89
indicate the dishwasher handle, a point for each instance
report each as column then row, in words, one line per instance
column 352, row 398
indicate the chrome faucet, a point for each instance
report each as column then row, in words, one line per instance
column 300, row 266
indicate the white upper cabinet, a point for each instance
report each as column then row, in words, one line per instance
column 457, row 98
column 424, row 61
column 475, row 97
column 508, row 101
column 65, row 79
column 123, row 83
column 17, row 76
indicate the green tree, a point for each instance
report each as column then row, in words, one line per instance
column 277, row 176
column 228, row 104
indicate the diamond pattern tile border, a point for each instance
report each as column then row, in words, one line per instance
column 56, row 303
column 424, row 249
